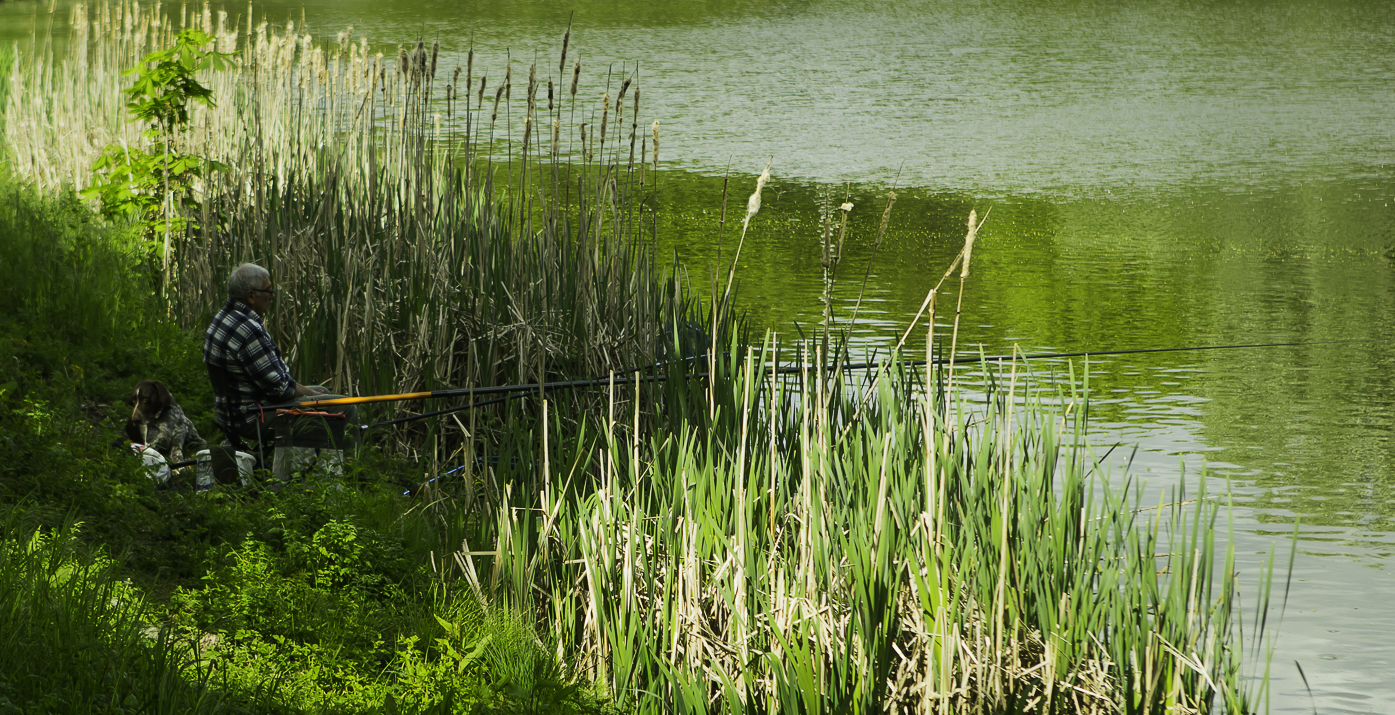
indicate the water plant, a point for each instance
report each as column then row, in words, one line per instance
column 408, row 259
column 902, row 548
column 755, row 533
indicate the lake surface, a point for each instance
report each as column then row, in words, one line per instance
column 1159, row 174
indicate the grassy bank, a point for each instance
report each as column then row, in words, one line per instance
column 119, row 597
column 750, row 534
column 793, row 545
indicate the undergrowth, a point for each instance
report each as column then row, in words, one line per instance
column 116, row 596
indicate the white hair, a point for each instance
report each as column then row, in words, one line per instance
column 244, row 278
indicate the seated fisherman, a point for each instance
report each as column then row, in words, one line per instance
column 244, row 364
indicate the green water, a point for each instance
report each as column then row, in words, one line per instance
column 1159, row 174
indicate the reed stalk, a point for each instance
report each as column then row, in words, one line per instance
column 402, row 264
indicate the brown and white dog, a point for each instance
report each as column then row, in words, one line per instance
column 157, row 421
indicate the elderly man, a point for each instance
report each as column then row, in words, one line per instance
column 243, row 362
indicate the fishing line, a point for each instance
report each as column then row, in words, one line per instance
column 508, row 390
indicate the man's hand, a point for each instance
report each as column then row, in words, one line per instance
column 310, row 390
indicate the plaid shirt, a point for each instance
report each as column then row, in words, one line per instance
column 244, row 365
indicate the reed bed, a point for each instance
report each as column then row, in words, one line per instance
column 733, row 542
column 417, row 239
column 916, row 552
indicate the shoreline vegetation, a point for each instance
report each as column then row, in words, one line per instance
column 735, row 537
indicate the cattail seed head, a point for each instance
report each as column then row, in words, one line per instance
column 566, row 40
column 470, row 66
column 480, row 99
column 508, row 81
column 497, row 95
column 532, row 88
column 969, row 243
column 605, row 114
column 549, row 95
column 753, row 203
column 886, row 218
column 656, row 145
column 576, row 76
column 435, row 50
column 624, row 87
column 403, row 64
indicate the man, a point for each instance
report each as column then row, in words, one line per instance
column 243, row 362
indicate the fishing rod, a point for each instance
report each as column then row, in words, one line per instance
column 1093, row 353
column 509, row 390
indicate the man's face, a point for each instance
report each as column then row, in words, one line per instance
column 259, row 299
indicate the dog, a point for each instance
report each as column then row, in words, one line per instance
column 158, row 422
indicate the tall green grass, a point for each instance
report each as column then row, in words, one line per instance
column 424, row 232
column 76, row 639
column 914, row 552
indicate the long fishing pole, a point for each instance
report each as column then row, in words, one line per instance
column 1093, row 353
column 618, row 380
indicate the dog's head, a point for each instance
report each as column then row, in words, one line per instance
column 150, row 398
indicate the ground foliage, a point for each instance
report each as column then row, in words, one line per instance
column 116, row 596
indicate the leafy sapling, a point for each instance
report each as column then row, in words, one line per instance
column 143, row 184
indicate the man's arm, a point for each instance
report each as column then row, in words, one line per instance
column 266, row 369
column 308, row 390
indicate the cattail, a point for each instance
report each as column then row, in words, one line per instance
column 435, row 50
column 624, row 86
column 846, row 208
column 576, row 76
column 403, row 64
column 585, row 155
column 527, row 133
column 753, row 203
column 421, row 57
column 532, row 87
column 886, row 218
column 508, row 82
column 469, row 68
column 566, row 40
column 656, row 145
column 549, row 95
column 634, row 121
column 480, row 100
column 455, row 78
column 497, row 96
column 556, row 137
column 969, row 243
column 605, row 114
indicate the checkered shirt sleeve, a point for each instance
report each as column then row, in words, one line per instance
column 237, row 343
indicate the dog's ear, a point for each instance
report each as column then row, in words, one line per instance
column 162, row 396
column 163, row 393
